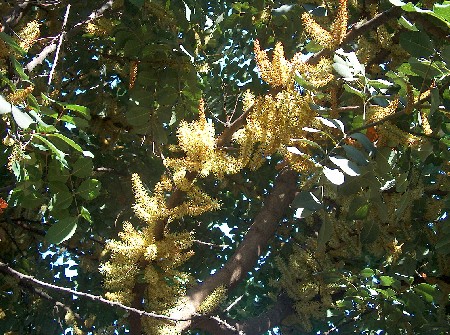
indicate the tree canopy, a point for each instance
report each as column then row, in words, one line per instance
column 223, row 167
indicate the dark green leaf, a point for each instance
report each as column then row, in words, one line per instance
column 12, row 43
column 62, row 230
column 82, row 168
column 417, row 43
column 325, row 233
column 89, row 189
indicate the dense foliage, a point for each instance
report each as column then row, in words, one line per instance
column 224, row 167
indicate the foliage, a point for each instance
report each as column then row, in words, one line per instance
column 230, row 167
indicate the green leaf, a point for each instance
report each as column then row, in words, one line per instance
column 22, row 119
column 62, row 197
column 58, row 153
column 358, row 209
column 83, row 167
column 334, row 175
column 89, row 189
column 366, row 143
column 404, row 202
column 370, row 231
column 367, row 273
column 62, row 230
column 417, row 43
column 355, row 155
column 138, row 3
column 424, row 68
column 84, row 111
column 56, row 172
column 138, row 116
column 19, row 69
column 85, row 214
column 401, row 182
column 325, row 233
column 345, row 165
column 406, row 24
column 386, row 280
column 426, row 291
column 67, row 140
column 12, row 43
column 307, row 203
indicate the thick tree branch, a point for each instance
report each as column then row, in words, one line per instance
column 249, row 250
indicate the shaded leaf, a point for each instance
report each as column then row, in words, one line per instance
column 89, row 189
column 62, row 230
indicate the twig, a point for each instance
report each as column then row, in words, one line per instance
column 61, row 37
column 39, row 59
column 211, row 244
column 23, row 278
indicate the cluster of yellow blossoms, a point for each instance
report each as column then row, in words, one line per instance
column 274, row 122
column 335, row 35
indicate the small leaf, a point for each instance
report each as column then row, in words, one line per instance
column 325, row 233
column 89, row 189
column 366, row 273
column 345, row 165
column 334, row 175
column 62, row 230
column 364, row 140
column 386, row 280
column 19, row 69
column 12, row 43
column 426, row 291
column 358, row 209
column 85, row 214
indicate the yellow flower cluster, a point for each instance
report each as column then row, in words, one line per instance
column 272, row 125
column 29, row 35
column 279, row 72
column 302, row 279
column 198, row 142
column 328, row 38
column 213, row 300
column 18, row 96
column 100, row 27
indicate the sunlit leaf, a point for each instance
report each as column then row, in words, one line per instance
column 334, row 175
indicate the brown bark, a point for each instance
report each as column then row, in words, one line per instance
column 250, row 249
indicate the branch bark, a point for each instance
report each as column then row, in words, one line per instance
column 253, row 326
column 30, row 280
column 249, row 250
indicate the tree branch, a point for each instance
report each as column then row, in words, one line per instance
column 39, row 59
column 30, row 280
column 253, row 326
column 360, row 29
column 249, row 250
